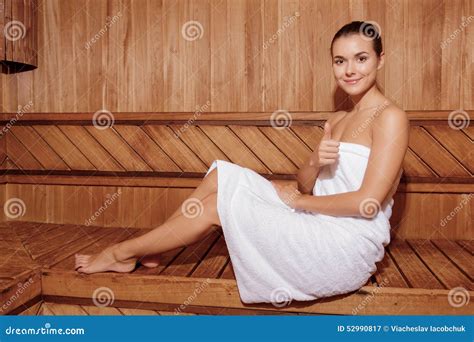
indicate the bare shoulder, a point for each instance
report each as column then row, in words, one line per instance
column 391, row 114
column 335, row 117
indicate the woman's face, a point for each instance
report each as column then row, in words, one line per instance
column 354, row 58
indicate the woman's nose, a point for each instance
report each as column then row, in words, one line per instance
column 349, row 69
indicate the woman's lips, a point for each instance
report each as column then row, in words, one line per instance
column 352, row 82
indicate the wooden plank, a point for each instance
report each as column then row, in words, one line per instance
column 32, row 310
column 97, row 246
column 59, row 309
column 264, row 149
column 310, row 135
column 31, row 287
column 191, row 256
column 388, row 274
column 415, row 272
column 48, row 158
column 228, row 271
column 61, row 144
column 100, row 310
column 214, row 261
column 137, row 312
column 45, row 310
column 20, row 155
column 468, row 245
column 175, row 148
column 459, row 256
column 56, row 256
column 224, row 293
column 118, row 148
column 434, row 154
column 441, row 266
column 456, row 142
column 90, row 148
column 233, row 147
column 144, row 146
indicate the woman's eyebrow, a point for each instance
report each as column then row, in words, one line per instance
column 357, row 54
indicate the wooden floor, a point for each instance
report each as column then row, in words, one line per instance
column 415, row 277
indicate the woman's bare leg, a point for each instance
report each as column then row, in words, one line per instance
column 181, row 230
column 207, row 186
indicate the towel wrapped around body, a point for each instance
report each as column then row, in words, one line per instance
column 279, row 254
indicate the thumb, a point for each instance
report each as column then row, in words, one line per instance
column 327, row 131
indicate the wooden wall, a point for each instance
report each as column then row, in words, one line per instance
column 254, row 57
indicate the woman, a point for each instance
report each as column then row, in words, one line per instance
column 321, row 239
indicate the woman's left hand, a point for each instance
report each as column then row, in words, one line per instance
column 288, row 194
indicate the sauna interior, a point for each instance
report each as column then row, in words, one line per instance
column 113, row 110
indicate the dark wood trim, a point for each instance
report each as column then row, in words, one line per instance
column 192, row 180
column 218, row 118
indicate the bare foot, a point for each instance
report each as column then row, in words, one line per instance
column 150, row 261
column 104, row 261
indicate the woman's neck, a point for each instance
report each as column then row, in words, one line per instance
column 371, row 98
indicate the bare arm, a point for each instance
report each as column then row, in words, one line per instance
column 384, row 165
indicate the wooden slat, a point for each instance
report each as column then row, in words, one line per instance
column 191, row 256
column 456, row 142
column 100, row 310
column 181, row 154
column 61, row 144
column 435, row 155
column 388, row 274
column 20, row 155
column 459, row 256
column 48, row 158
column 311, row 135
column 224, row 293
column 137, row 312
column 150, row 152
column 59, row 309
column 233, row 147
column 228, row 271
column 89, row 147
column 467, row 244
column 214, row 262
column 441, row 266
column 264, row 149
column 413, row 269
column 199, row 143
column 118, row 148
column 97, row 247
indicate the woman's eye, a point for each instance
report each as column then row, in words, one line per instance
column 363, row 59
column 337, row 62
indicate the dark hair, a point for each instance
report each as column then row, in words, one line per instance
column 367, row 28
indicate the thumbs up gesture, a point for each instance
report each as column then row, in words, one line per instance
column 328, row 149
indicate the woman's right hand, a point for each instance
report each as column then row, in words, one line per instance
column 328, row 149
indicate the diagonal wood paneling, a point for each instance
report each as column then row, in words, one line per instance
column 435, row 151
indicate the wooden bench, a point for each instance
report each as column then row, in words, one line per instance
column 415, row 277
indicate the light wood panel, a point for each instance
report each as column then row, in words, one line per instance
column 251, row 56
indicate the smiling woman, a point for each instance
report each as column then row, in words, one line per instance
column 283, row 243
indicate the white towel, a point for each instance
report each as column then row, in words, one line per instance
column 280, row 255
